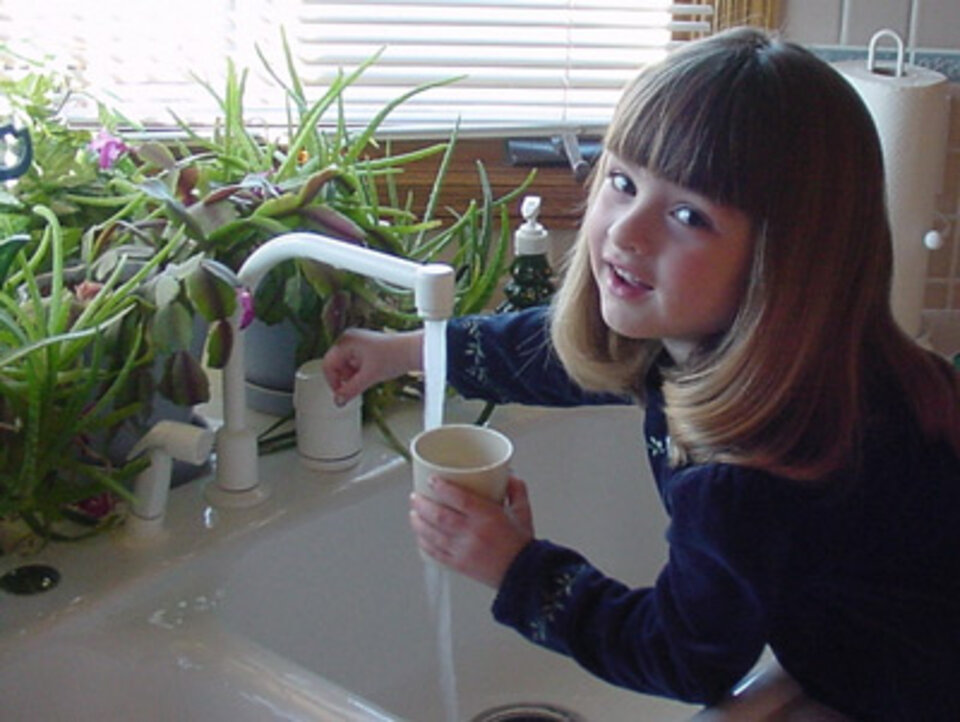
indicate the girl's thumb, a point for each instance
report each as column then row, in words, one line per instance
column 518, row 502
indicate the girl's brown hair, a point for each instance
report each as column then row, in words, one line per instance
column 767, row 127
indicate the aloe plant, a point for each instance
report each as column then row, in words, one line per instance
column 61, row 379
column 158, row 231
column 234, row 191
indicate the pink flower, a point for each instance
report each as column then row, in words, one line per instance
column 108, row 147
column 87, row 290
column 99, row 506
column 245, row 299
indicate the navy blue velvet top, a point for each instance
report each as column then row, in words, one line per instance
column 855, row 589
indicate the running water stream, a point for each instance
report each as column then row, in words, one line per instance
column 436, row 578
column 434, row 371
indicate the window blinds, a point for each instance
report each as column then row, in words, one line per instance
column 525, row 64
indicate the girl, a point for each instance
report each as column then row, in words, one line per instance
column 732, row 274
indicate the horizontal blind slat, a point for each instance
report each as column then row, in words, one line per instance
column 540, row 5
column 526, row 62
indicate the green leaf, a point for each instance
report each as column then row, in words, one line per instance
column 279, row 206
column 184, row 381
column 9, row 248
column 211, row 217
column 219, row 344
column 361, row 142
column 309, row 120
column 323, row 278
column 158, row 154
column 211, row 291
column 336, row 313
column 297, row 293
column 268, row 298
column 485, row 282
column 314, row 184
column 334, row 223
column 158, row 190
column 22, row 352
column 172, row 328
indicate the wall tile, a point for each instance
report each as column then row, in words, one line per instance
column 936, row 295
column 812, row 22
column 953, row 92
column 950, row 187
column 862, row 18
column 938, row 24
column 940, row 262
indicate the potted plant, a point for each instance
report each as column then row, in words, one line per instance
column 99, row 301
column 120, row 256
column 236, row 190
column 63, row 376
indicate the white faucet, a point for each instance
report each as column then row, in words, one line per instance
column 166, row 441
column 237, row 481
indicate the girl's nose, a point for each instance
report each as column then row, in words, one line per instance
column 633, row 230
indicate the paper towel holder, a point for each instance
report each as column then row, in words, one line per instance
column 897, row 72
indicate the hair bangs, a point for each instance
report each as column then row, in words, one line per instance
column 711, row 132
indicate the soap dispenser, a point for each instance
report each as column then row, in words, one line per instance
column 531, row 276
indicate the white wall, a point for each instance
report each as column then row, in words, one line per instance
column 925, row 25
column 921, row 23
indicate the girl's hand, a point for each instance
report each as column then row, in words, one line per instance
column 363, row 358
column 469, row 533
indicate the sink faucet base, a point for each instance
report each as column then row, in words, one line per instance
column 226, row 499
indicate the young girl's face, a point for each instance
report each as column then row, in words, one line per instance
column 669, row 263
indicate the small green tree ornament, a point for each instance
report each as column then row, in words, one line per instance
column 531, row 277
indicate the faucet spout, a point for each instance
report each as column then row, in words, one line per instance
column 433, row 285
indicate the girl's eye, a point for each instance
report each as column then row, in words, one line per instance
column 692, row 217
column 621, row 183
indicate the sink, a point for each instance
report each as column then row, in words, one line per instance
column 314, row 605
column 345, row 595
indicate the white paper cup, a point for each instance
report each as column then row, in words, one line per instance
column 329, row 437
column 474, row 457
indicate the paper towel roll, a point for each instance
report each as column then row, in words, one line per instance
column 911, row 115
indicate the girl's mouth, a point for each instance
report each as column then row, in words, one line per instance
column 625, row 280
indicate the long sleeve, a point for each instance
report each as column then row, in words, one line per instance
column 703, row 622
column 853, row 584
column 692, row 634
column 508, row 358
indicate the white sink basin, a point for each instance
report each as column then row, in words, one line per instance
column 345, row 595
column 313, row 606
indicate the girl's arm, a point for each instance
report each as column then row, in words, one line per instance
column 498, row 357
column 508, row 357
column 702, row 624
column 691, row 636
column 362, row 358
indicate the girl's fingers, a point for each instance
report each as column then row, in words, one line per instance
column 429, row 538
column 436, row 512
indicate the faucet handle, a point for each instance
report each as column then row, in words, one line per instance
column 180, row 441
column 166, row 440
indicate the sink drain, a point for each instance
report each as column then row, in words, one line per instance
column 528, row 712
column 30, row 579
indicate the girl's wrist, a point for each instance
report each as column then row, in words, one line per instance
column 413, row 350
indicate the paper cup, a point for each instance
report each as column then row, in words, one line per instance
column 474, row 457
column 329, row 437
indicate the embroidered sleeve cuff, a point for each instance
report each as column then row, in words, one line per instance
column 535, row 592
